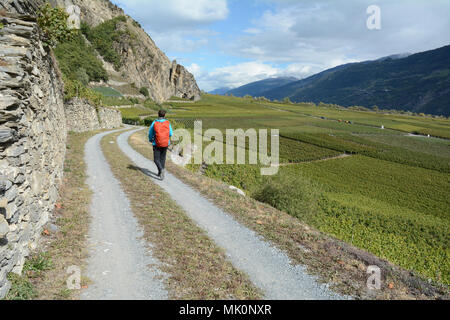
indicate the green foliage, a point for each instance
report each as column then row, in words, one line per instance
column 144, row 91
column 104, row 36
column 136, row 112
column 294, row 194
column 75, row 89
column 53, row 23
column 37, row 264
column 21, row 288
column 74, row 55
column 108, row 92
column 82, row 76
column 353, row 144
column 390, row 197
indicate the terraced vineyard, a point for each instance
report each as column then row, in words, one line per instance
column 383, row 190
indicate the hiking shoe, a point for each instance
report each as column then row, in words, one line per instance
column 162, row 175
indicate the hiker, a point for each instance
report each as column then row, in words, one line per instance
column 159, row 134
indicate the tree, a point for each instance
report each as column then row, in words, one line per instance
column 82, row 76
column 287, row 100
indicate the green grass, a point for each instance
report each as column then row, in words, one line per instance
column 108, row 92
column 136, row 112
column 21, row 288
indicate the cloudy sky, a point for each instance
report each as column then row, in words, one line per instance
column 228, row 43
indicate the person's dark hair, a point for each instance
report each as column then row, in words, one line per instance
column 162, row 113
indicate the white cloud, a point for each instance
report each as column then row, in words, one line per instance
column 175, row 14
column 326, row 33
column 232, row 76
column 177, row 25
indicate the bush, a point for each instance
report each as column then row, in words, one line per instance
column 132, row 120
column 103, row 38
column 74, row 55
column 298, row 197
column 82, row 76
column 144, row 92
column 75, row 89
column 53, row 23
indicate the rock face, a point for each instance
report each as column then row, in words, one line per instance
column 29, row 7
column 81, row 117
column 32, row 142
column 143, row 63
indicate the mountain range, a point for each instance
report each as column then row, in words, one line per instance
column 256, row 89
column 414, row 82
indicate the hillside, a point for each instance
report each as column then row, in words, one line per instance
column 129, row 54
column 258, row 88
column 418, row 83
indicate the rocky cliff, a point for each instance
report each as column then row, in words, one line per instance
column 142, row 62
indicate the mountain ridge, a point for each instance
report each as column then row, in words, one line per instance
column 257, row 88
column 419, row 83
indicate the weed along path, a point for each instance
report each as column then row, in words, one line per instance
column 119, row 262
column 268, row 268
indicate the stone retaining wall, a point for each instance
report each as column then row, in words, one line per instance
column 32, row 142
column 33, row 129
column 81, row 117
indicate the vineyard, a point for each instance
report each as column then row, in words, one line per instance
column 364, row 177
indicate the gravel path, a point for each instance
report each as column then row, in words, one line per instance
column 119, row 258
column 268, row 267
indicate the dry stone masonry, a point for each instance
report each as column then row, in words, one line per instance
column 32, row 142
column 33, row 130
column 82, row 116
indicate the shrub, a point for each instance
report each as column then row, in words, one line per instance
column 53, row 23
column 144, row 92
column 82, row 76
column 103, row 38
column 74, row 55
column 75, row 89
column 294, row 195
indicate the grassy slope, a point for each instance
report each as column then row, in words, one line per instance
column 386, row 200
column 337, row 263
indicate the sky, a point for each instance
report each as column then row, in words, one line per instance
column 228, row 43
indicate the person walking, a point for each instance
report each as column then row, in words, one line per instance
column 159, row 135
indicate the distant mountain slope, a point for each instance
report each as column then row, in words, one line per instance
column 257, row 89
column 220, row 91
column 418, row 83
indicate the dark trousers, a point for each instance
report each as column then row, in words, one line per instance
column 160, row 157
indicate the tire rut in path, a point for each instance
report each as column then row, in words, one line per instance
column 119, row 262
column 268, row 267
